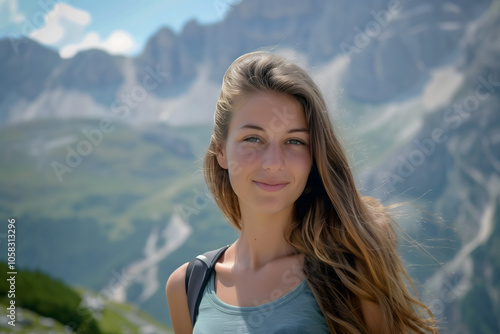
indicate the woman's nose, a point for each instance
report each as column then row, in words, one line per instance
column 273, row 157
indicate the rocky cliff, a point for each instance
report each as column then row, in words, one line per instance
column 391, row 47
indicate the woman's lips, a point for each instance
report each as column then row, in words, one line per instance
column 270, row 187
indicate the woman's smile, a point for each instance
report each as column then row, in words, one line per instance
column 271, row 186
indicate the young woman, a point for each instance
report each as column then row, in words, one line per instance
column 313, row 255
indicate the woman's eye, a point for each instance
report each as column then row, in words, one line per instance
column 252, row 139
column 296, row 142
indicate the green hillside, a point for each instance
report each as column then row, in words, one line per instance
column 46, row 304
column 96, row 221
column 114, row 182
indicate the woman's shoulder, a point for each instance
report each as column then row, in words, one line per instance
column 177, row 300
column 176, row 281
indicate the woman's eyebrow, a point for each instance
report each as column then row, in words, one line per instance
column 251, row 126
column 256, row 127
column 298, row 130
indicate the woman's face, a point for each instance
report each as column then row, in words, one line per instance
column 267, row 152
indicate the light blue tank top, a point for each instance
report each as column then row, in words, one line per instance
column 295, row 312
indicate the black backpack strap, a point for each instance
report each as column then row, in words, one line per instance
column 197, row 274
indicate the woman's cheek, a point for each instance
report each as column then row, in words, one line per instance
column 300, row 155
column 234, row 167
column 246, row 153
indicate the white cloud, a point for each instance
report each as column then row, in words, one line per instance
column 119, row 42
column 9, row 13
column 65, row 28
column 62, row 24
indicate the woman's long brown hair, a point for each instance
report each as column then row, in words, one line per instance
column 348, row 240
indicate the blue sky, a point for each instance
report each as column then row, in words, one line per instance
column 117, row 26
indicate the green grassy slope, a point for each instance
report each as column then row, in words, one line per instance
column 44, row 304
column 96, row 221
column 113, row 184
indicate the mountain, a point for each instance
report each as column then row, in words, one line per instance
column 390, row 47
column 453, row 165
column 100, row 155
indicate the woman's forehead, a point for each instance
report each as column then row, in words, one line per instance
column 269, row 109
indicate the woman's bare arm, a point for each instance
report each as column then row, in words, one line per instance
column 177, row 301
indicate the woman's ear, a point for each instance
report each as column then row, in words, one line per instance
column 221, row 157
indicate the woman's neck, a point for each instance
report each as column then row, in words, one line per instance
column 262, row 239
